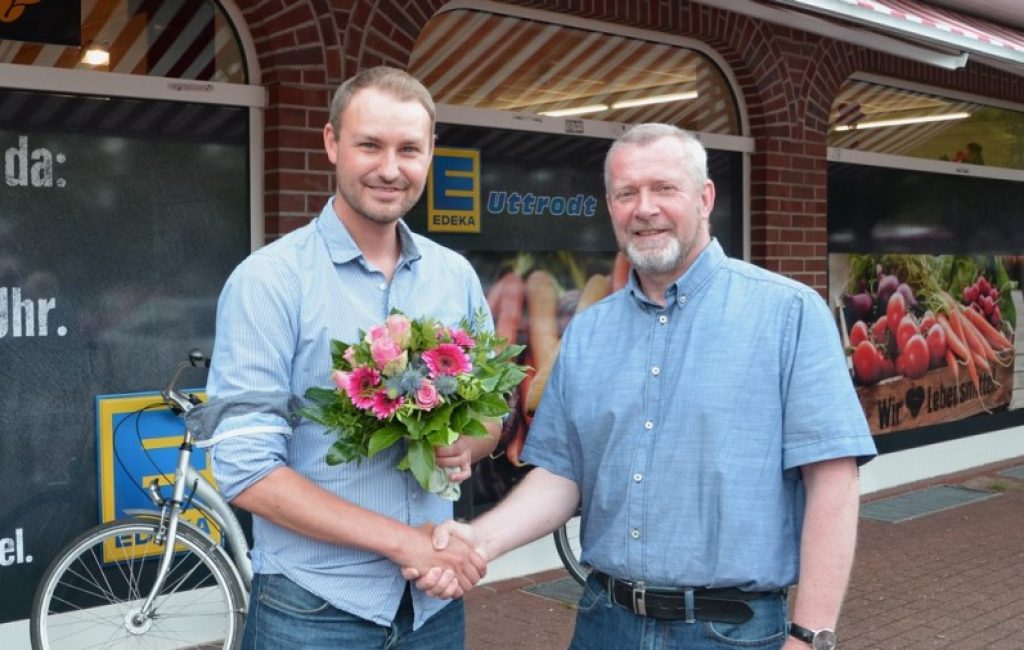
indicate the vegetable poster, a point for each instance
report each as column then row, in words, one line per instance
column 929, row 338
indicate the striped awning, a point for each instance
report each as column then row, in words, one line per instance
column 923, row 22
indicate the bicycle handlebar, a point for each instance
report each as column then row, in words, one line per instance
column 174, row 398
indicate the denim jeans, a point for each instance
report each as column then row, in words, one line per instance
column 284, row 616
column 601, row 624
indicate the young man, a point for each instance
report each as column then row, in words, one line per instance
column 329, row 541
column 705, row 416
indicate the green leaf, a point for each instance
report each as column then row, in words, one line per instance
column 489, row 405
column 438, row 419
column 475, row 429
column 384, row 438
column 421, row 461
column 339, row 453
column 443, row 437
column 460, row 416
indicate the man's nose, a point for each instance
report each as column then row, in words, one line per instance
column 645, row 205
column 388, row 166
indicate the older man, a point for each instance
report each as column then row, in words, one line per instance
column 704, row 420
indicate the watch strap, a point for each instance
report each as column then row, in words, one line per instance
column 802, row 633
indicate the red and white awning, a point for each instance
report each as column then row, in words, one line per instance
column 921, row 21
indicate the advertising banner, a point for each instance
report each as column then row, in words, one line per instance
column 528, row 210
column 925, row 282
column 120, row 220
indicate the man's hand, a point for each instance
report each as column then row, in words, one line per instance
column 437, row 582
column 448, row 572
column 457, row 455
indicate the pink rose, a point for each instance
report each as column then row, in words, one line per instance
column 376, row 333
column 350, row 356
column 384, row 350
column 399, row 329
column 427, row 397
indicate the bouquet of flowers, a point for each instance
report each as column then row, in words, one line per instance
column 417, row 381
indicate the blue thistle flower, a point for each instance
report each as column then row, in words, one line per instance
column 410, row 381
column 446, row 385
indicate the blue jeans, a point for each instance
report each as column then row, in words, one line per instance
column 601, row 624
column 284, row 616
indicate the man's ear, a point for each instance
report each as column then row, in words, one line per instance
column 331, row 143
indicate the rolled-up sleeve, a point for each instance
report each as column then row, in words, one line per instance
column 253, row 349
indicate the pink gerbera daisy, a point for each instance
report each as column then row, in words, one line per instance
column 384, row 407
column 362, row 383
column 447, row 359
column 461, row 337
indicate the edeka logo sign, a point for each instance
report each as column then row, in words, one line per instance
column 453, row 191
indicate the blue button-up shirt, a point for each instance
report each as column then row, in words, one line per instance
column 683, row 426
column 276, row 317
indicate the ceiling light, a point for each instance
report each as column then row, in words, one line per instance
column 96, row 56
column 578, row 110
column 655, row 99
column 901, row 121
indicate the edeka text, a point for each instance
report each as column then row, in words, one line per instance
column 530, row 204
column 22, row 317
column 933, row 399
column 12, row 549
column 27, row 167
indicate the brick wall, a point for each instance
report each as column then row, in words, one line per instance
column 788, row 79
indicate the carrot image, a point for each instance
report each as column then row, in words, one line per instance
column 542, row 311
column 994, row 337
column 952, row 363
column 620, row 271
column 597, row 287
column 508, row 307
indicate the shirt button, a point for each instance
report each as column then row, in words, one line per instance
column 648, row 425
column 655, row 371
column 382, row 286
column 635, row 533
column 638, row 477
column 682, row 300
column 663, row 319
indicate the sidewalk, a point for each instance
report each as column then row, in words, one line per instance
column 948, row 579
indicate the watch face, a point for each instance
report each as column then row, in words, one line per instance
column 824, row 640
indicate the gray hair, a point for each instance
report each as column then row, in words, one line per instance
column 398, row 83
column 644, row 134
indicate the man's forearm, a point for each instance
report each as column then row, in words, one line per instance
column 538, row 505
column 290, row 500
column 828, row 541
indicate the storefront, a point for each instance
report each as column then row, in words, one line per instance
column 846, row 145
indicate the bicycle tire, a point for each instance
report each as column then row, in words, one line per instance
column 567, row 543
column 85, row 601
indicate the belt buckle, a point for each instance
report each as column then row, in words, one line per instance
column 639, row 606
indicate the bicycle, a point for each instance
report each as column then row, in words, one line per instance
column 567, row 543
column 104, row 589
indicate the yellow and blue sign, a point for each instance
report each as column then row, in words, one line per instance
column 137, row 442
column 453, row 191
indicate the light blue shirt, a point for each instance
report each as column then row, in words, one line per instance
column 276, row 317
column 683, row 426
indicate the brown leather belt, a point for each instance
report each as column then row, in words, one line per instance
column 726, row 605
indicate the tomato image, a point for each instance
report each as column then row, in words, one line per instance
column 906, row 329
column 936, row 340
column 915, row 357
column 858, row 333
column 867, row 363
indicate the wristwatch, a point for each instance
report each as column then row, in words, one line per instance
column 824, row 639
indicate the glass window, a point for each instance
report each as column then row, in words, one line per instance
column 482, row 60
column 872, row 117
column 180, row 39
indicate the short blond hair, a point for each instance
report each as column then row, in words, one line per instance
column 398, row 83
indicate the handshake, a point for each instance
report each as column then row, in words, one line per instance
column 449, row 562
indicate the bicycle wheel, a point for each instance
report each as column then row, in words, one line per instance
column 92, row 592
column 567, row 543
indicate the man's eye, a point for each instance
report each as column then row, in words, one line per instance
column 624, row 196
column 665, row 189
